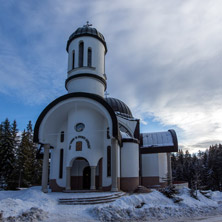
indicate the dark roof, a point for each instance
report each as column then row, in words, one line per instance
column 119, row 106
column 86, row 31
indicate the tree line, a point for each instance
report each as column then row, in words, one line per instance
column 202, row 170
column 19, row 166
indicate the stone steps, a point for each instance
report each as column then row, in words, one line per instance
column 91, row 200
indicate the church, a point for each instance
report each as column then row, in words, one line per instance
column 91, row 141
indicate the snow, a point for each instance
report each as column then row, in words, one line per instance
column 125, row 135
column 157, row 139
column 153, row 206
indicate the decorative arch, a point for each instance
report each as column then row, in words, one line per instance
column 77, row 158
column 115, row 128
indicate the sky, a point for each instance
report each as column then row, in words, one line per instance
column 163, row 60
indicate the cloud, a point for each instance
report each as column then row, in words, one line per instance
column 163, row 60
column 167, row 64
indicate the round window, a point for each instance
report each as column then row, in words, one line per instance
column 79, row 127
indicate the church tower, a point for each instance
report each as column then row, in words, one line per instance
column 86, row 49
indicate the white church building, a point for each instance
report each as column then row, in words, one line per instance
column 91, row 141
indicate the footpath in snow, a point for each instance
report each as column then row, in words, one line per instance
column 33, row 205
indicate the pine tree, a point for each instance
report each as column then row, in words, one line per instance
column 202, row 170
column 7, row 157
column 1, row 141
column 29, row 166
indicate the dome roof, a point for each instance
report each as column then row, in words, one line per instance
column 86, row 30
column 119, row 106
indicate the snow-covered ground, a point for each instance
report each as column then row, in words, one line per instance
column 153, row 206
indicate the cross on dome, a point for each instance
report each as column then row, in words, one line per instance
column 106, row 94
column 87, row 24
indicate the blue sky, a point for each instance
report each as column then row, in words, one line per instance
column 163, row 60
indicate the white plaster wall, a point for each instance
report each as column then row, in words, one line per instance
column 72, row 111
column 50, row 128
column 94, row 131
column 58, row 115
column 150, row 165
column 55, row 157
column 86, row 84
column 162, row 166
column 130, row 160
column 98, row 55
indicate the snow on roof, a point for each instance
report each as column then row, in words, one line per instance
column 125, row 135
column 157, row 139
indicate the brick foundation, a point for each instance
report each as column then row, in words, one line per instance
column 54, row 186
column 129, row 184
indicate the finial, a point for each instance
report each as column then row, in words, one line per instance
column 87, row 24
column 106, row 94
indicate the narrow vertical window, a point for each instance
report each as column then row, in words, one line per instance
column 73, row 59
column 81, row 49
column 89, row 62
column 62, row 137
column 109, row 161
column 61, row 163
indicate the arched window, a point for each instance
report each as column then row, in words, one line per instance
column 62, row 137
column 81, row 49
column 89, row 60
column 61, row 164
column 73, row 59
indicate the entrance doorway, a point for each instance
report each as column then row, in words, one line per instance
column 80, row 174
column 86, row 177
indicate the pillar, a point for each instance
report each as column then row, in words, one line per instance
column 169, row 170
column 93, row 178
column 45, row 168
column 115, row 164
column 68, row 178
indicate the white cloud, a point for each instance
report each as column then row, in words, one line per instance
column 164, row 57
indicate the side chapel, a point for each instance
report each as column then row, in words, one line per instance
column 91, row 141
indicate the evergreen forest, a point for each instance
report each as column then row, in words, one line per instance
column 19, row 166
column 202, row 170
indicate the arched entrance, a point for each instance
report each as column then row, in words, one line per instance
column 80, row 174
column 84, row 176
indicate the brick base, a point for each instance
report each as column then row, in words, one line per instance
column 129, row 184
column 54, row 186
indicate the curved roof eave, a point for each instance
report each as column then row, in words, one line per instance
column 95, row 97
column 175, row 140
column 160, row 148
